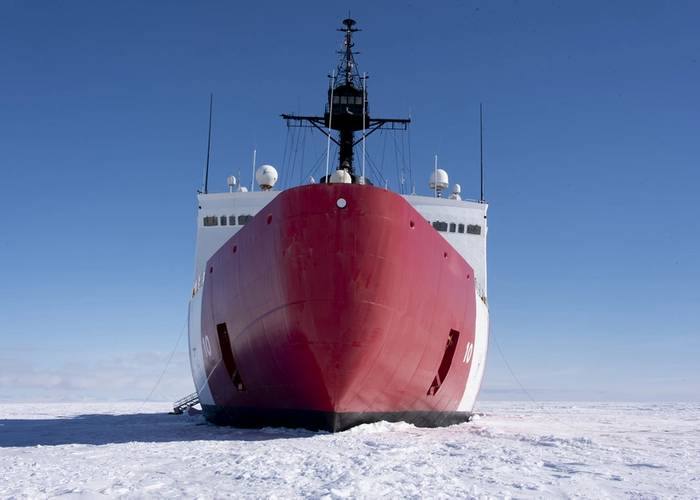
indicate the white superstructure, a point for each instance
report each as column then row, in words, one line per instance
column 463, row 224
column 221, row 215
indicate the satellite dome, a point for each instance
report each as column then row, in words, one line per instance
column 266, row 176
column 231, row 181
column 341, row 177
column 456, row 190
column 439, row 180
column 243, row 189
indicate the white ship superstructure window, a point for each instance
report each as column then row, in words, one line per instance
column 454, row 227
column 440, row 225
column 226, row 220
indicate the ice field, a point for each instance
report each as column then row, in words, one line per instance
column 518, row 450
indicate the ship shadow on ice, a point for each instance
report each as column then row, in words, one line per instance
column 99, row 429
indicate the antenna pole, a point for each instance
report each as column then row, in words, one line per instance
column 435, row 179
column 330, row 120
column 252, row 180
column 364, row 115
column 206, row 168
column 481, row 148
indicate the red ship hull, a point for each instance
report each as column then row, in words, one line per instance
column 325, row 317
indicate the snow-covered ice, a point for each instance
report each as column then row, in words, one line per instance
column 518, row 450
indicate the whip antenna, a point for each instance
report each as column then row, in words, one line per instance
column 481, row 148
column 206, row 168
column 252, row 180
column 331, row 79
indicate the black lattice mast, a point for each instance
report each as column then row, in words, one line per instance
column 347, row 72
column 344, row 107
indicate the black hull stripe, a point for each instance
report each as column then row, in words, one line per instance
column 255, row 418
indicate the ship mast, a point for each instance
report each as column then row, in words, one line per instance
column 347, row 107
column 347, row 62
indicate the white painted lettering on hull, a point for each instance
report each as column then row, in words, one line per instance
column 468, row 353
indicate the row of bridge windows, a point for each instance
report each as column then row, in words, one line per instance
column 343, row 99
column 452, row 227
column 242, row 220
column 227, row 220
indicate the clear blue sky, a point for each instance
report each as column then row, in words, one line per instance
column 592, row 151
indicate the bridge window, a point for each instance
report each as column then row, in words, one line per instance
column 223, row 220
column 460, row 228
column 343, row 99
column 336, row 99
column 474, row 229
column 453, row 227
column 358, row 100
column 244, row 219
column 440, row 225
column 211, row 220
column 231, row 220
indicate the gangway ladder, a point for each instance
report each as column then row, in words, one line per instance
column 181, row 405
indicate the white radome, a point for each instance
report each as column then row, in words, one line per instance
column 456, row 190
column 266, row 177
column 439, row 180
column 341, row 177
column 231, row 181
